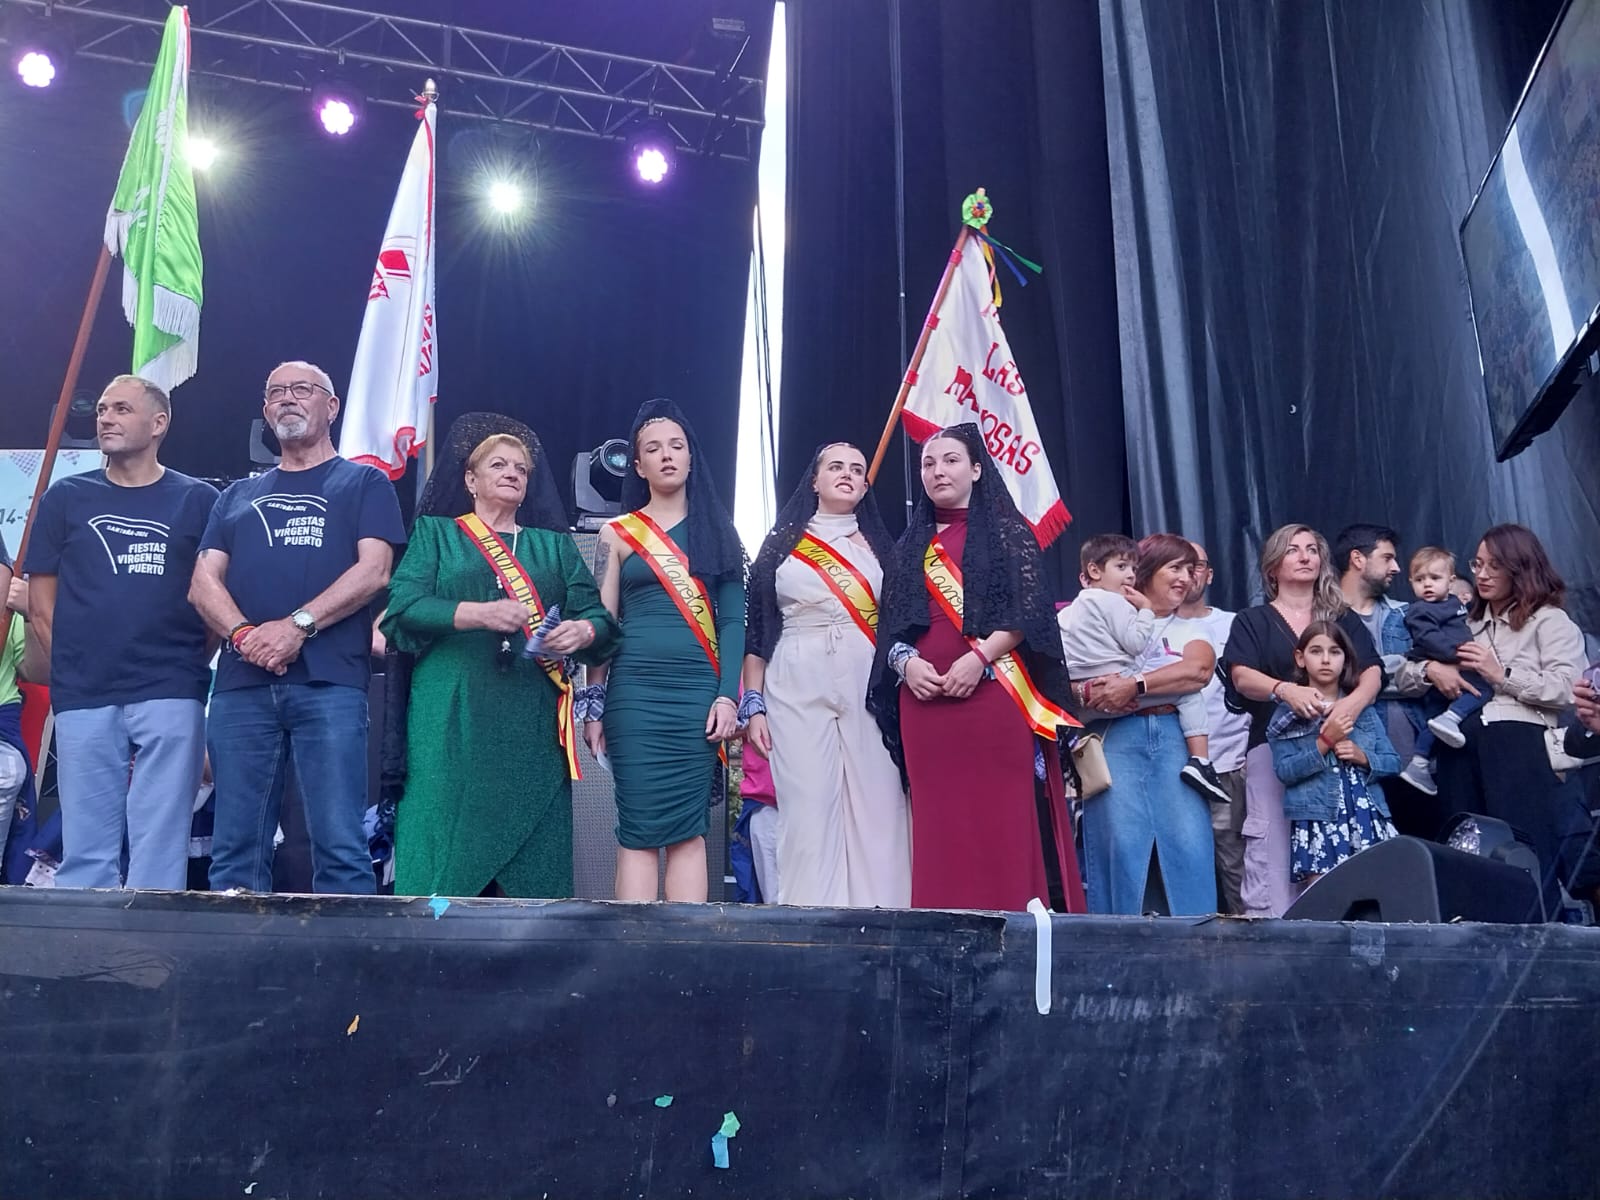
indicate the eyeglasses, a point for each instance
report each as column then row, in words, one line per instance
column 1479, row 566
column 300, row 389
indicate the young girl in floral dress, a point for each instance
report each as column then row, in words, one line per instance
column 1335, row 805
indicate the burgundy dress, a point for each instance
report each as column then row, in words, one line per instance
column 975, row 840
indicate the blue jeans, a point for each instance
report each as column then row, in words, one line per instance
column 1432, row 704
column 1148, row 808
column 128, row 775
column 254, row 734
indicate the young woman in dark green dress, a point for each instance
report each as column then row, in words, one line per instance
column 665, row 709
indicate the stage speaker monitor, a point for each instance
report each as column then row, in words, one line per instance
column 264, row 448
column 1409, row 879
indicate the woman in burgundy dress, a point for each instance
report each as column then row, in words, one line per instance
column 967, row 688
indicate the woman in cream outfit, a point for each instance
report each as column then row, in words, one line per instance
column 844, row 835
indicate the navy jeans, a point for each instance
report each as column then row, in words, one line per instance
column 253, row 735
column 1432, row 704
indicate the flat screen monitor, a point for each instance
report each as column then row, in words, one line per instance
column 1531, row 239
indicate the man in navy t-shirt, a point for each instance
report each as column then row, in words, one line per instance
column 288, row 568
column 109, row 568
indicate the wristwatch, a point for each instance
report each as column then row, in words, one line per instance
column 1138, row 683
column 304, row 622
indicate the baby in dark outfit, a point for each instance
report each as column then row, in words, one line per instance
column 1437, row 623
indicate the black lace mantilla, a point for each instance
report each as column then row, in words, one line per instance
column 763, row 620
column 712, row 545
column 1002, row 573
column 445, row 494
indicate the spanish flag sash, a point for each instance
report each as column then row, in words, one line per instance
column 520, row 588
column 671, row 566
column 844, row 581
column 944, row 584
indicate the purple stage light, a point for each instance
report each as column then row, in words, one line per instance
column 36, row 69
column 652, row 164
column 337, row 117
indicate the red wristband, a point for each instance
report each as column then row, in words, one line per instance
column 238, row 633
column 984, row 659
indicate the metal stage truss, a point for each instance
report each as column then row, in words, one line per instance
column 291, row 44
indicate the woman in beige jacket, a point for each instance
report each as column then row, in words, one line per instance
column 1530, row 652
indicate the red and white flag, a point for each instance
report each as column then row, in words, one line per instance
column 966, row 374
column 395, row 378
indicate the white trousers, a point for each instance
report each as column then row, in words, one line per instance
column 845, row 838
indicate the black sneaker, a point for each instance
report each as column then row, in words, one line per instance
column 1202, row 777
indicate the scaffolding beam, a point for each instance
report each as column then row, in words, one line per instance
column 290, row 44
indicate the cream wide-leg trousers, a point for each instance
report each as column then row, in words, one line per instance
column 845, row 839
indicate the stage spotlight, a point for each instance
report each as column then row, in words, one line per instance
column 652, row 165
column 79, row 433
column 37, row 50
column 36, row 68
column 652, row 151
column 338, row 105
column 505, row 197
column 599, row 498
column 337, row 116
column 201, row 152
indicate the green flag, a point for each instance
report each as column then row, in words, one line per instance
column 154, row 224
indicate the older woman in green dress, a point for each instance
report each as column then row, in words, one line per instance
column 491, row 744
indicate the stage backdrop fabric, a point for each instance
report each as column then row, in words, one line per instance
column 1287, row 181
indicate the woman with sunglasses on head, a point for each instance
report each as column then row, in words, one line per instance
column 967, row 686
column 1260, row 673
column 491, row 747
column 672, row 570
column 809, row 642
column 1530, row 653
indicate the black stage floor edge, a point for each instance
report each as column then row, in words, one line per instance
column 291, row 1047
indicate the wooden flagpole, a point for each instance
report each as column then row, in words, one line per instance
column 58, row 422
column 916, row 355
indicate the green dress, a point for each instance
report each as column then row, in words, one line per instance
column 658, row 694
column 487, row 796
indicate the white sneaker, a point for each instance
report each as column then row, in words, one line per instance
column 1447, row 728
column 1419, row 774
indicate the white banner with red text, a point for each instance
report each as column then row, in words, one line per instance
column 967, row 375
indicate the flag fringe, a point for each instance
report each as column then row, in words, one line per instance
column 175, row 313
column 1053, row 524
column 918, row 427
column 118, row 225
column 404, row 453
column 173, row 365
column 130, row 295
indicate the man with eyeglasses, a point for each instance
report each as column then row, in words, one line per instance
column 109, row 566
column 289, row 567
column 1230, row 736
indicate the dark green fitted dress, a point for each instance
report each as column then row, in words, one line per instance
column 487, row 795
column 658, row 694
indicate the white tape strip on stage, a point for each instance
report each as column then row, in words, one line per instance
column 1041, row 960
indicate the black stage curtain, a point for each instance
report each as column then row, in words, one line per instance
column 1009, row 99
column 1296, row 338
